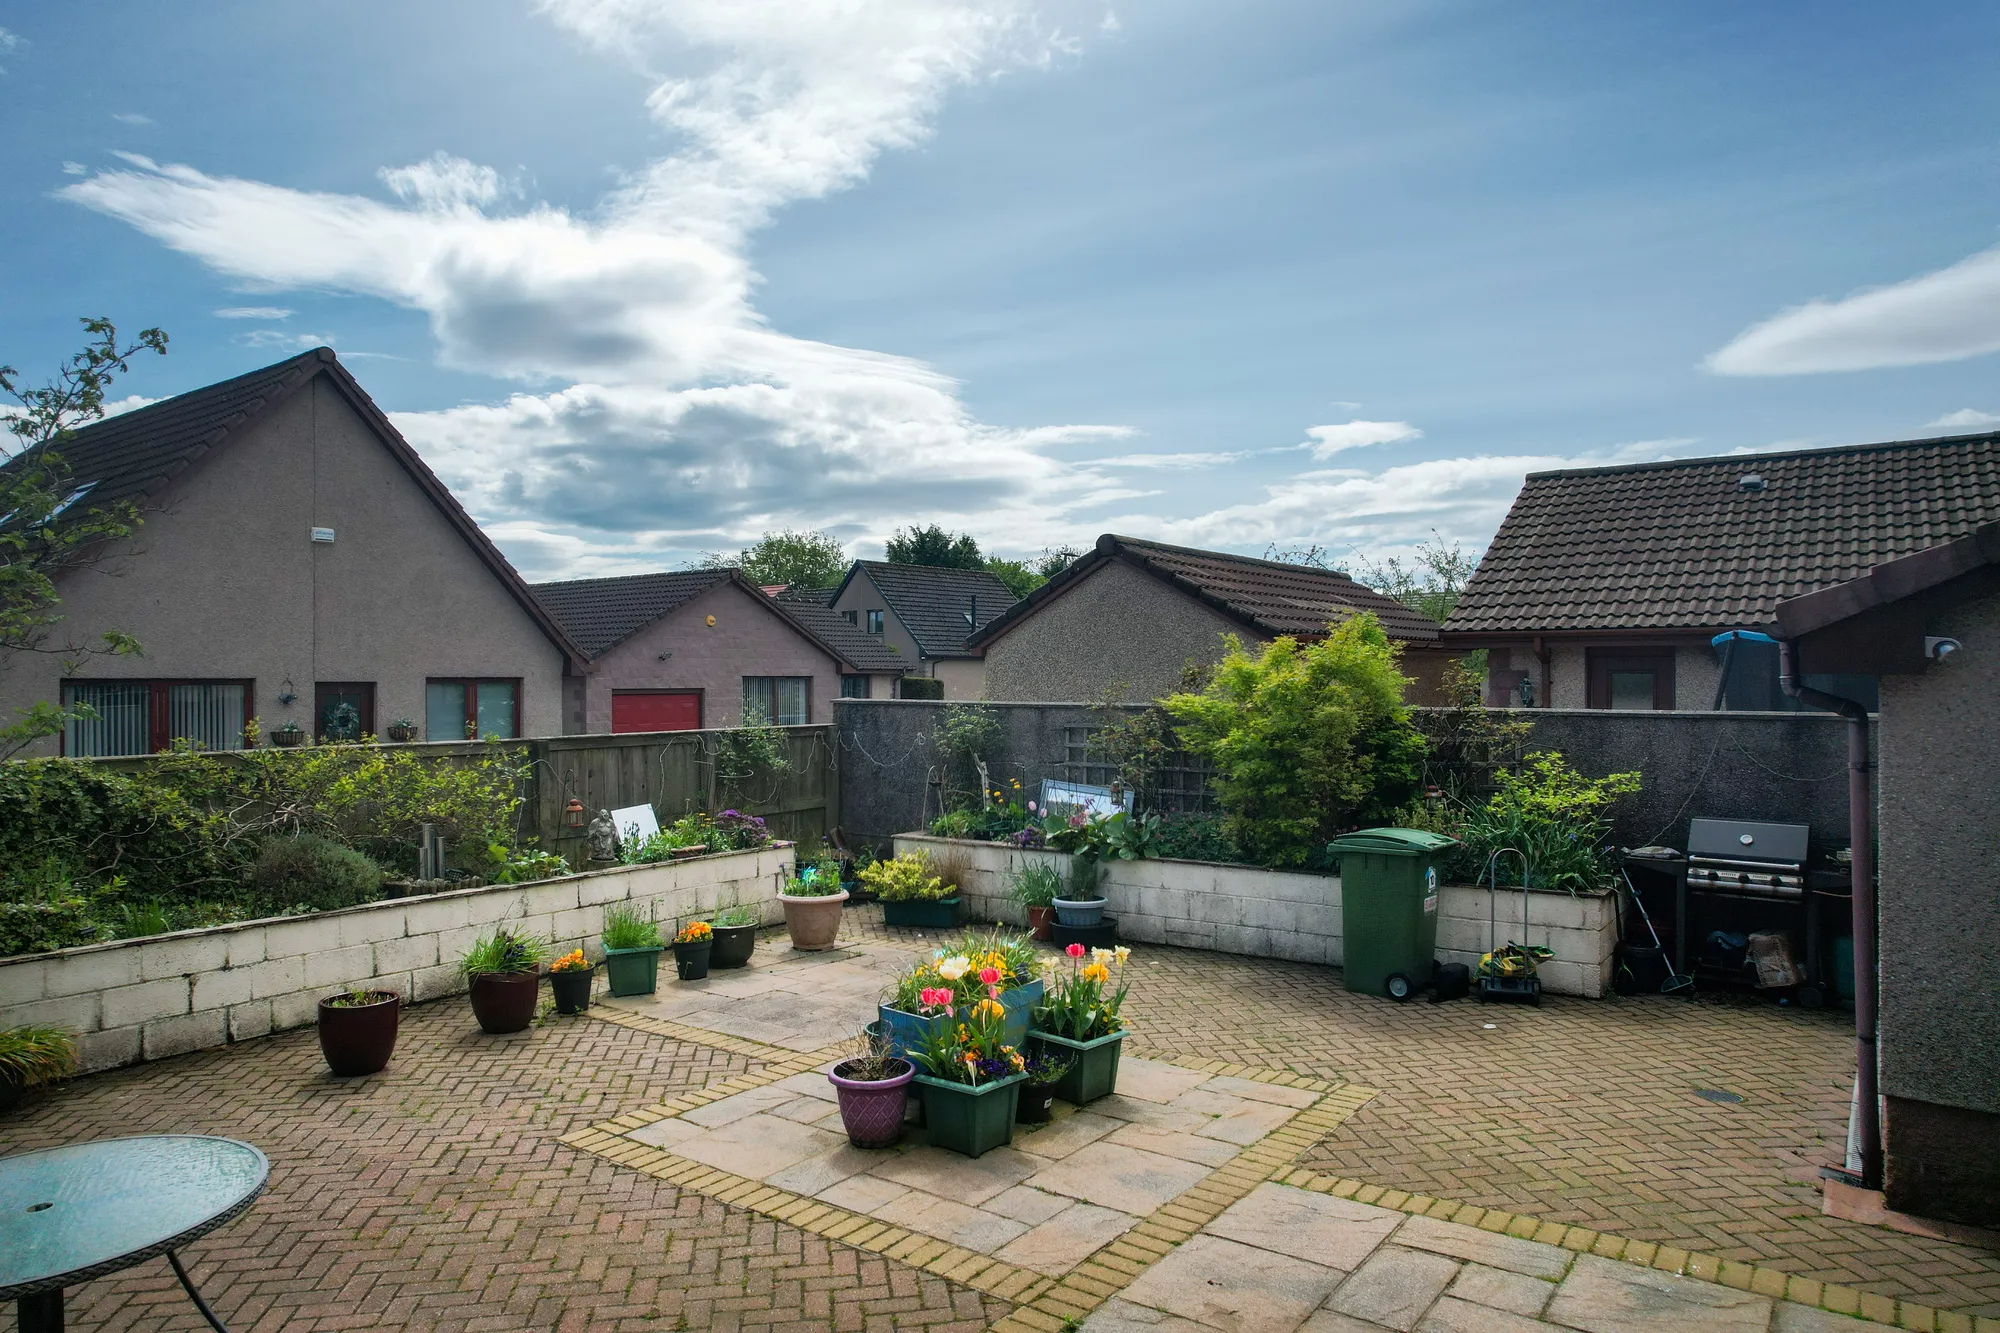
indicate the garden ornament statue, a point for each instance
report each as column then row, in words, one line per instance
column 603, row 837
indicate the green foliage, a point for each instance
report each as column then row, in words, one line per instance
column 1077, row 1004
column 935, row 547
column 1429, row 584
column 502, row 951
column 625, row 928
column 44, row 912
column 1466, row 742
column 1303, row 738
column 739, row 916
column 523, row 867
column 920, row 687
column 359, row 997
column 906, row 878
column 306, row 871
column 967, row 736
column 1556, row 818
column 795, row 559
column 1017, row 575
column 36, row 1053
column 47, row 527
column 1195, row 837
column 820, row 879
column 1037, row 884
column 753, row 749
column 91, row 821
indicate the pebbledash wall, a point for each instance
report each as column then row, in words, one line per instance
column 135, row 1000
column 1282, row 914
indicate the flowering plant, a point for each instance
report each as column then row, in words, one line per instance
column 1046, row 1066
column 1077, row 1007
column 695, row 932
column 736, row 831
column 987, row 966
column 971, row 1051
column 573, row 961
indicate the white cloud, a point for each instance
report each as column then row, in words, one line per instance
column 1169, row 462
column 283, row 341
column 253, row 312
column 1327, row 441
column 443, row 183
column 131, row 118
column 74, row 168
column 127, row 403
column 1948, row 315
column 9, row 43
column 1965, row 419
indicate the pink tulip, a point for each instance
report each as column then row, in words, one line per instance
column 1074, row 951
column 989, row 975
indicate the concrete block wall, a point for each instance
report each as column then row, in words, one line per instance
column 134, row 1000
column 1262, row 913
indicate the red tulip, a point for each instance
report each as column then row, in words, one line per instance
column 1074, row 951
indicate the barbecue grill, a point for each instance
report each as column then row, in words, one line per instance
column 1741, row 858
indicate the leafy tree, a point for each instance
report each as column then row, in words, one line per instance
column 1430, row 583
column 1304, row 739
column 935, row 547
column 1019, row 578
column 1055, row 559
column 45, row 528
column 795, row 559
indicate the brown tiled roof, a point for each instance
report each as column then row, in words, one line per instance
column 1267, row 597
column 600, row 614
column 932, row 603
column 1683, row 545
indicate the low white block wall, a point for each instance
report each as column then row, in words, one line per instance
column 133, row 1000
column 1291, row 915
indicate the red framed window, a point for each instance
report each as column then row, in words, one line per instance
column 147, row 716
column 469, row 708
column 344, row 710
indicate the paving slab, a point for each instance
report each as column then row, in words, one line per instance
column 1451, row 1315
column 949, row 1220
column 815, row 1173
column 1394, row 1287
column 1606, row 1296
column 1122, row 1316
column 1025, row 1204
column 1066, row 1239
column 861, row 1193
column 1064, row 1136
column 1120, row 1107
column 1793, row 1318
column 664, row 1133
column 1332, row 1321
column 1238, row 1288
column 948, row 1175
column 809, row 1085
column 757, row 1146
column 1247, row 1122
column 1249, row 1088
column 1318, row 1228
column 1112, row 1176
column 1486, row 1247
column 1515, row 1293
column 1173, row 1143
column 1155, row 1080
column 735, row 1107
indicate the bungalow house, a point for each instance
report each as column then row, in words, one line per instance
column 297, row 564
column 701, row 648
column 1127, row 616
column 1605, row 586
column 1928, row 625
column 925, row 615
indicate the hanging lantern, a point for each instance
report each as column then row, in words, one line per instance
column 573, row 813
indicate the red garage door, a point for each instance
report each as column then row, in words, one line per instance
column 655, row 710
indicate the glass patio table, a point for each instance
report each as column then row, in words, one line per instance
column 74, row 1213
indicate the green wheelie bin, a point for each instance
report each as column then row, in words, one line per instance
column 1389, row 908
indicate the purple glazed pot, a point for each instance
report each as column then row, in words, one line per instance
column 872, row 1110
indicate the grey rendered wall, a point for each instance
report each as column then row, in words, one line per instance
column 746, row 640
column 1940, row 872
column 861, row 597
column 964, row 678
column 1116, row 629
column 1789, row 767
column 227, row 583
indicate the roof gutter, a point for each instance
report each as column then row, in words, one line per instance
column 1868, row 1103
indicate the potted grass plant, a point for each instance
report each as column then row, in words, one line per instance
column 735, row 936
column 1045, row 1067
column 970, row 1082
column 692, row 944
column 31, row 1056
column 569, row 978
column 631, row 950
column 872, row 1084
column 504, row 970
column 911, row 895
column 812, row 902
column 1080, row 1020
column 1036, row 887
column 357, row 1030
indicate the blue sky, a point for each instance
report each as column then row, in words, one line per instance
column 644, row 279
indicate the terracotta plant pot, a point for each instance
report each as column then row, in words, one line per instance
column 359, row 1039
column 814, row 923
column 871, row 1110
column 1040, row 919
column 733, row 946
column 572, row 990
column 505, row 1001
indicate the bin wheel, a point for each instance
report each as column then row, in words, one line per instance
column 1811, row 997
column 1399, row 987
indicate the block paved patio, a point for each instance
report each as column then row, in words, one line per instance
column 1443, row 1170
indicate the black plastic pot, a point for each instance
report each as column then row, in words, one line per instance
column 1037, row 1105
column 691, row 960
column 733, row 946
column 572, row 990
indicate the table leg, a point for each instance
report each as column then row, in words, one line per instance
column 194, row 1295
column 41, row 1312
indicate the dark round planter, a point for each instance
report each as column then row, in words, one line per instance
column 1040, row 920
column 287, row 739
column 505, row 1001
column 733, row 946
column 359, row 1039
column 871, row 1110
column 12, row 1092
column 572, row 990
column 691, row 960
column 1037, row 1105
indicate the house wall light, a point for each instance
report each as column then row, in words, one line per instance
column 1937, row 648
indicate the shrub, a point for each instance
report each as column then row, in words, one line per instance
column 1303, row 738
column 1195, row 837
column 1554, row 817
column 36, row 1054
column 305, row 871
column 57, row 918
column 906, row 878
column 920, row 687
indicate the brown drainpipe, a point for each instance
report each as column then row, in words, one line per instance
column 1868, row 1111
column 1548, row 677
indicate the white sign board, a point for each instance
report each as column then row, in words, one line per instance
column 635, row 823
column 1091, row 800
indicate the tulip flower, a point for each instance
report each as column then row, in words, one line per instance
column 989, row 975
column 1074, row 951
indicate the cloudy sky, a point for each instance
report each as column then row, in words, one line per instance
column 643, row 278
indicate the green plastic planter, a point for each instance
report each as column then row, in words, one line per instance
column 924, row 913
column 1095, row 1073
column 633, row 971
column 970, row 1120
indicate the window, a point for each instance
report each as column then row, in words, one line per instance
column 874, row 622
column 779, row 699
column 854, row 687
column 455, row 710
column 1636, row 680
column 344, row 711
column 144, row 716
column 850, row 617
